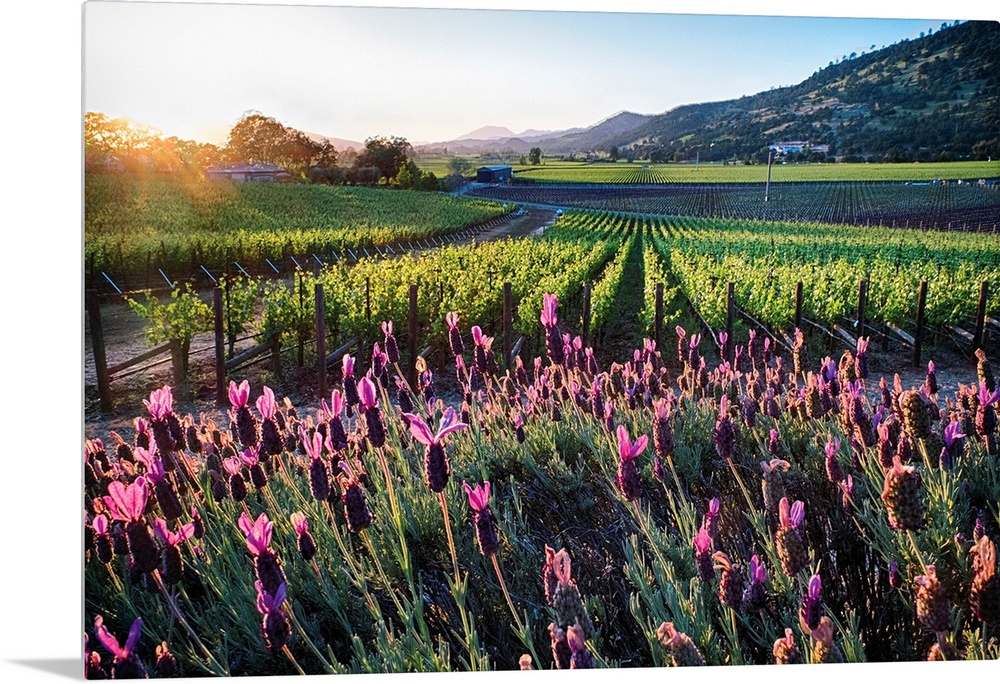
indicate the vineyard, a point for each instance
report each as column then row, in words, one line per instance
column 641, row 173
column 135, row 226
column 630, row 439
column 947, row 207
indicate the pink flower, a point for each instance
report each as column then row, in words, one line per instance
column 111, row 643
column 758, row 573
column 366, row 392
column 250, row 456
column 477, row 334
column 127, row 503
column 172, row 538
column 258, row 532
column 423, row 434
column 313, row 445
column 146, row 456
column 337, row 404
column 627, row 450
column 266, row 404
column 100, row 524
column 266, row 603
column 479, row 497
column 348, row 365
column 549, row 304
column 299, row 523
column 775, row 464
column 702, row 541
column 239, row 396
column 160, row 402
column 791, row 516
column 451, row 318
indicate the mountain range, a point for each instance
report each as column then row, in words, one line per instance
column 935, row 97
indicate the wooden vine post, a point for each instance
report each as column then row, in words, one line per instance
column 411, row 371
column 730, row 315
column 862, row 301
column 221, row 394
column 657, row 313
column 798, row 304
column 508, row 319
column 100, row 354
column 977, row 336
column 918, row 333
column 321, row 338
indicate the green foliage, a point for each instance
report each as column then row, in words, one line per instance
column 183, row 317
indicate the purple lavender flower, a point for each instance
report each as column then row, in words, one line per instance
column 895, row 579
column 791, row 547
column 861, row 360
column 550, row 321
column 486, row 534
column 833, row 470
column 454, row 334
column 724, row 434
column 375, row 429
column 628, row 480
column 128, row 504
column 275, row 627
column 126, row 664
column 703, row 555
column 953, row 444
column 711, row 522
column 171, row 567
column 811, row 609
column 306, row 543
column 663, row 434
column 355, row 504
column 391, row 348
column 930, row 382
column 258, row 539
column 436, row 469
column 773, row 444
column 350, row 384
column 755, row 595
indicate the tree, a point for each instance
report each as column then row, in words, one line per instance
column 258, row 138
column 535, row 156
column 459, row 166
column 387, row 154
column 613, row 153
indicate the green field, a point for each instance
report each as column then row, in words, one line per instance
column 637, row 172
column 177, row 224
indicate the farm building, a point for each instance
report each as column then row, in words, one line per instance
column 494, row 174
column 260, row 172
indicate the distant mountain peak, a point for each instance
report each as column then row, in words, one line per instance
column 488, row 133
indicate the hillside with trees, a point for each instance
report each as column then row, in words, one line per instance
column 933, row 98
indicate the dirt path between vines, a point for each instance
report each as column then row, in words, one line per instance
column 124, row 339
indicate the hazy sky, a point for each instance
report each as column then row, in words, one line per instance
column 192, row 70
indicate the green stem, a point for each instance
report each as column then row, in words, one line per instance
column 913, row 543
column 309, row 642
column 290, row 657
column 447, row 529
column 176, row 611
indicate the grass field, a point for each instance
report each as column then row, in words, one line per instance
column 636, row 172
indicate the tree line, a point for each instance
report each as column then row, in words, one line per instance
column 121, row 145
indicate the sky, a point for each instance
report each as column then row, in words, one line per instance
column 429, row 75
